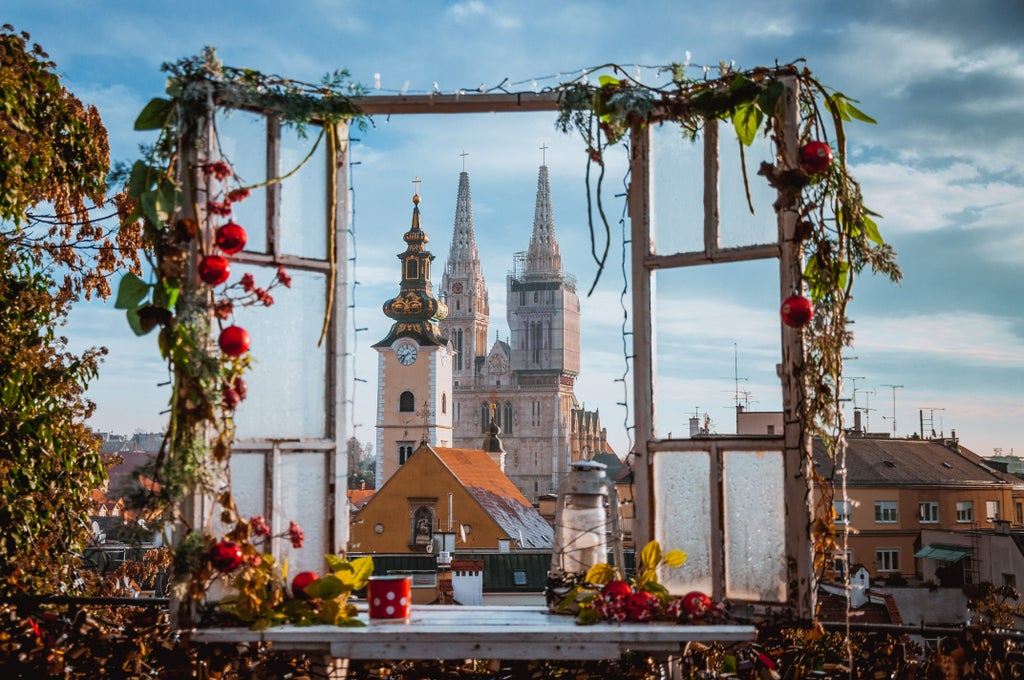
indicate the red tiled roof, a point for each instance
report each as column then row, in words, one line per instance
column 359, row 497
column 498, row 496
column 833, row 608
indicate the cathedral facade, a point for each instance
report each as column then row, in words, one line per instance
column 525, row 384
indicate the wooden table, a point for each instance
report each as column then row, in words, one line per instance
column 457, row 632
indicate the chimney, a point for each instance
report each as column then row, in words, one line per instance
column 856, row 421
column 694, row 427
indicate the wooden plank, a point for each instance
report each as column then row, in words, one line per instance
column 761, row 251
column 492, row 102
column 712, row 221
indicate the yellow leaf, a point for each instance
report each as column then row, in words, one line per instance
column 362, row 569
column 599, row 574
column 650, row 557
column 675, row 558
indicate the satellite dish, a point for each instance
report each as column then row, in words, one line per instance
column 430, row 547
column 462, row 532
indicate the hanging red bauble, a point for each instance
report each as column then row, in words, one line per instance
column 796, row 311
column 226, row 556
column 230, row 237
column 815, row 157
column 214, row 270
column 234, row 341
column 301, row 580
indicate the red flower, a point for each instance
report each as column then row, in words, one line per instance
column 248, row 282
column 259, row 525
column 263, row 296
column 595, row 156
column 295, row 535
column 640, row 606
column 236, row 195
column 222, row 208
column 219, row 169
column 283, row 278
column 223, row 309
column 241, row 388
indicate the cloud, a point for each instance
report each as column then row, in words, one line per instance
column 962, row 337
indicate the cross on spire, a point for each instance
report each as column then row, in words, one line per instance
column 463, row 154
column 417, row 183
column 543, row 154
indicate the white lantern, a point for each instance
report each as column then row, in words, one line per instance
column 582, row 523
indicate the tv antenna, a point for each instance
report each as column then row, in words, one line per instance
column 894, row 388
column 736, row 380
column 930, row 420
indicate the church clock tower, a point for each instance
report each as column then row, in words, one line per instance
column 414, row 363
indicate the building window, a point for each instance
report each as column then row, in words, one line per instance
column 965, row 511
column 1018, row 510
column 929, row 511
column 406, row 402
column 444, row 402
column 885, row 512
column 519, row 577
column 404, row 452
column 842, row 510
column 458, row 350
column 991, row 511
column 1010, row 580
column 485, row 416
column 411, row 270
column 841, row 562
column 508, row 417
column 887, row 559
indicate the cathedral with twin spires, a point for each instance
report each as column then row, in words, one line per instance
column 524, row 386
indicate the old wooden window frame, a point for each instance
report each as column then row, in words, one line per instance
column 793, row 443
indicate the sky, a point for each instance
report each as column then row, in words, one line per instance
column 944, row 167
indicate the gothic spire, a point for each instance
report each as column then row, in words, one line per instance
column 463, row 251
column 543, row 257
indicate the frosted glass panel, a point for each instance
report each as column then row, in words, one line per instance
column 755, row 525
column 303, row 500
column 248, row 483
column 243, row 141
column 287, row 383
column 683, row 517
column 304, row 196
column 677, row 170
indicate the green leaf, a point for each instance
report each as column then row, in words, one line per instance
column 329, row 587
column 746, row 118
column 588, row 617
column 135, row 322
column 871, row 231
column 140, row 179
column 166, row 295
column 608, row 80
column 154, row 115
column 769, row 98
column 860, row 115
column 130, row 292
column 335, row 563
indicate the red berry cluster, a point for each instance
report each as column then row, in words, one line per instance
column 618, row 601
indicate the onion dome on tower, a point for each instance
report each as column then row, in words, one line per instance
column 415, row 310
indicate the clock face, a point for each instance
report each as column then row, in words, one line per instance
column 406, row 354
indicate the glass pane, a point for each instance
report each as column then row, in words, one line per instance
column 243, row 141
column 755, row 525
column 304, row 501
column 682, row 492
column 678, row 191
column 247, row 483
column 716, row 345
column 304, row 195
column 287, row 383
column 677, row 200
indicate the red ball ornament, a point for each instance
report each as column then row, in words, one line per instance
column 796, row 311
column 696, row 603
column 230, row 237
column 214, row 270
column 234, row 341
column 226, row 556
column 301, row 580
column 641, row 605
column 616, row 589
column 815, row 157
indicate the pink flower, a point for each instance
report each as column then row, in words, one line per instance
column 248, row 282
column 295, row 535
column 259, row 525
column 283, row 278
